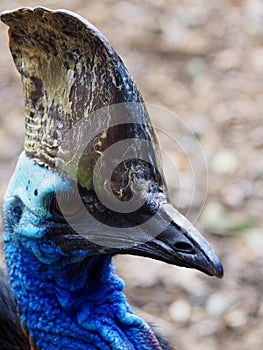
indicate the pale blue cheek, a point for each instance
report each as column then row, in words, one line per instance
column 26, row 208
column 32, row 183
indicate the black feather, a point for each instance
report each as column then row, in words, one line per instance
column 163, row 342
column 11, row 335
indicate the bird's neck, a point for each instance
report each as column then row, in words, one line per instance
column 78, row 306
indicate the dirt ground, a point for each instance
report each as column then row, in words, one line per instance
column 202, row 62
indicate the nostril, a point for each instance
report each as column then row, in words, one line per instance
column 183, row 247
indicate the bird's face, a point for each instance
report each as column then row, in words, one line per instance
column 81, row 102
column 47, row 214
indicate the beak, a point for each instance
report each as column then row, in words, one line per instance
column 178, row 243
column 165, row 235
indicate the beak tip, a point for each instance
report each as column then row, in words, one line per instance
column 218, row 269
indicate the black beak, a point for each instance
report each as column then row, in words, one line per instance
column 165, row 235
column 179, row 243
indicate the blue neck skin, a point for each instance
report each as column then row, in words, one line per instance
column 65, row 302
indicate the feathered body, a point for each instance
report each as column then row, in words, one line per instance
column 11, row 335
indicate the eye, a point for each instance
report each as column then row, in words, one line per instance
column 17, row 211
column 151, row 206
column 14, row 211
column 65, row 204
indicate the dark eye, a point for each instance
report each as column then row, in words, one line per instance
column 16, row 214
column 151, row 206
column 16, row 211
column 65, row 204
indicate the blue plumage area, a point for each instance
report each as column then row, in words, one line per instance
column 75, row 306
column 67, row 299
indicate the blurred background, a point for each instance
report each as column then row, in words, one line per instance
column 203, row 61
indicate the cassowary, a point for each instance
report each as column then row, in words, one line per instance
column 76, row 199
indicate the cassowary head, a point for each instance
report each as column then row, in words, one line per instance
column 90, row 181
